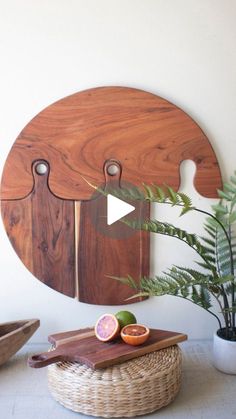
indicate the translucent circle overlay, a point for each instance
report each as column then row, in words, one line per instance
column 96, row 211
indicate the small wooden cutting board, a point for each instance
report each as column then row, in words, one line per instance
column 83, row 346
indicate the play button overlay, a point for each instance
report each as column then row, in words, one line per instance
column 105, row 212
column 117, row 209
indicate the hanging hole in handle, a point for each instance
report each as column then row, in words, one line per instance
column 41, row 169
column 40, row 357
column 112, row 169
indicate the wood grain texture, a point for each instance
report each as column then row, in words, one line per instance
column 67, row 246
column 57, row 338
column 76, row 135
column 13, row 335
column 41, row 230
column 109, row 250
column 100, row 256
column 56, row 225
column 90, row 351
column 17, row 219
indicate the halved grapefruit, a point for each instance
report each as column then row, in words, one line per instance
column 107, row 328
column 135, row 334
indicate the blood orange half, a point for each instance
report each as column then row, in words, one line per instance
column 135, row 334
column 107, row 328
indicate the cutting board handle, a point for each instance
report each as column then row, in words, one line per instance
column 45, row 358
column 112, row 171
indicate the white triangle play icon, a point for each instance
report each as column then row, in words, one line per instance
column 116, row 209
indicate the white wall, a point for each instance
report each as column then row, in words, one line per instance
column 183, row 50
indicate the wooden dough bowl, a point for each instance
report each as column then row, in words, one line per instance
column 13, row 335
column 47, row 215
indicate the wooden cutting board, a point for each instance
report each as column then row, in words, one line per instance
column 69, row 246
column 48, row 216
column 83, row 346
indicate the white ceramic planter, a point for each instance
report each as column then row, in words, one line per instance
column 224, row 355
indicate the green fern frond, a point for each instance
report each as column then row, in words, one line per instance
column 206, row 266
column 209, row 231
column 185, row 210
column 159, row 193
column 154, row 226
column 152, row 193
column 209, row 250
column 217, row 249
column 229, row 188
column 233, row 179
column 224, row 195
column 149, row 194
column 219, row 208
column 128, row 280
column 199, row 277
column 186, row 200
column 232, row 217
column 205, row 297
column 173, row 196
column 210, row 242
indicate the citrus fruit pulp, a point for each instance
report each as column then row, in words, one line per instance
column 107, row 327
column 135, row 334
column 125, row 317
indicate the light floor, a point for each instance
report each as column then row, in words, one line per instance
column 205, row 393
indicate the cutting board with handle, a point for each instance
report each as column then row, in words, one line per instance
column 83, row 346
column 69, row 246
column 48, row 206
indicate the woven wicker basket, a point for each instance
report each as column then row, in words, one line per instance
column 136, row 387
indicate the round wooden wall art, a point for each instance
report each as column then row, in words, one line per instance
column 45, row 202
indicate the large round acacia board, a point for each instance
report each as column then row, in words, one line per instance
column 46, row 216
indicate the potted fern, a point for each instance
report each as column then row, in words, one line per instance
column 216, row 280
